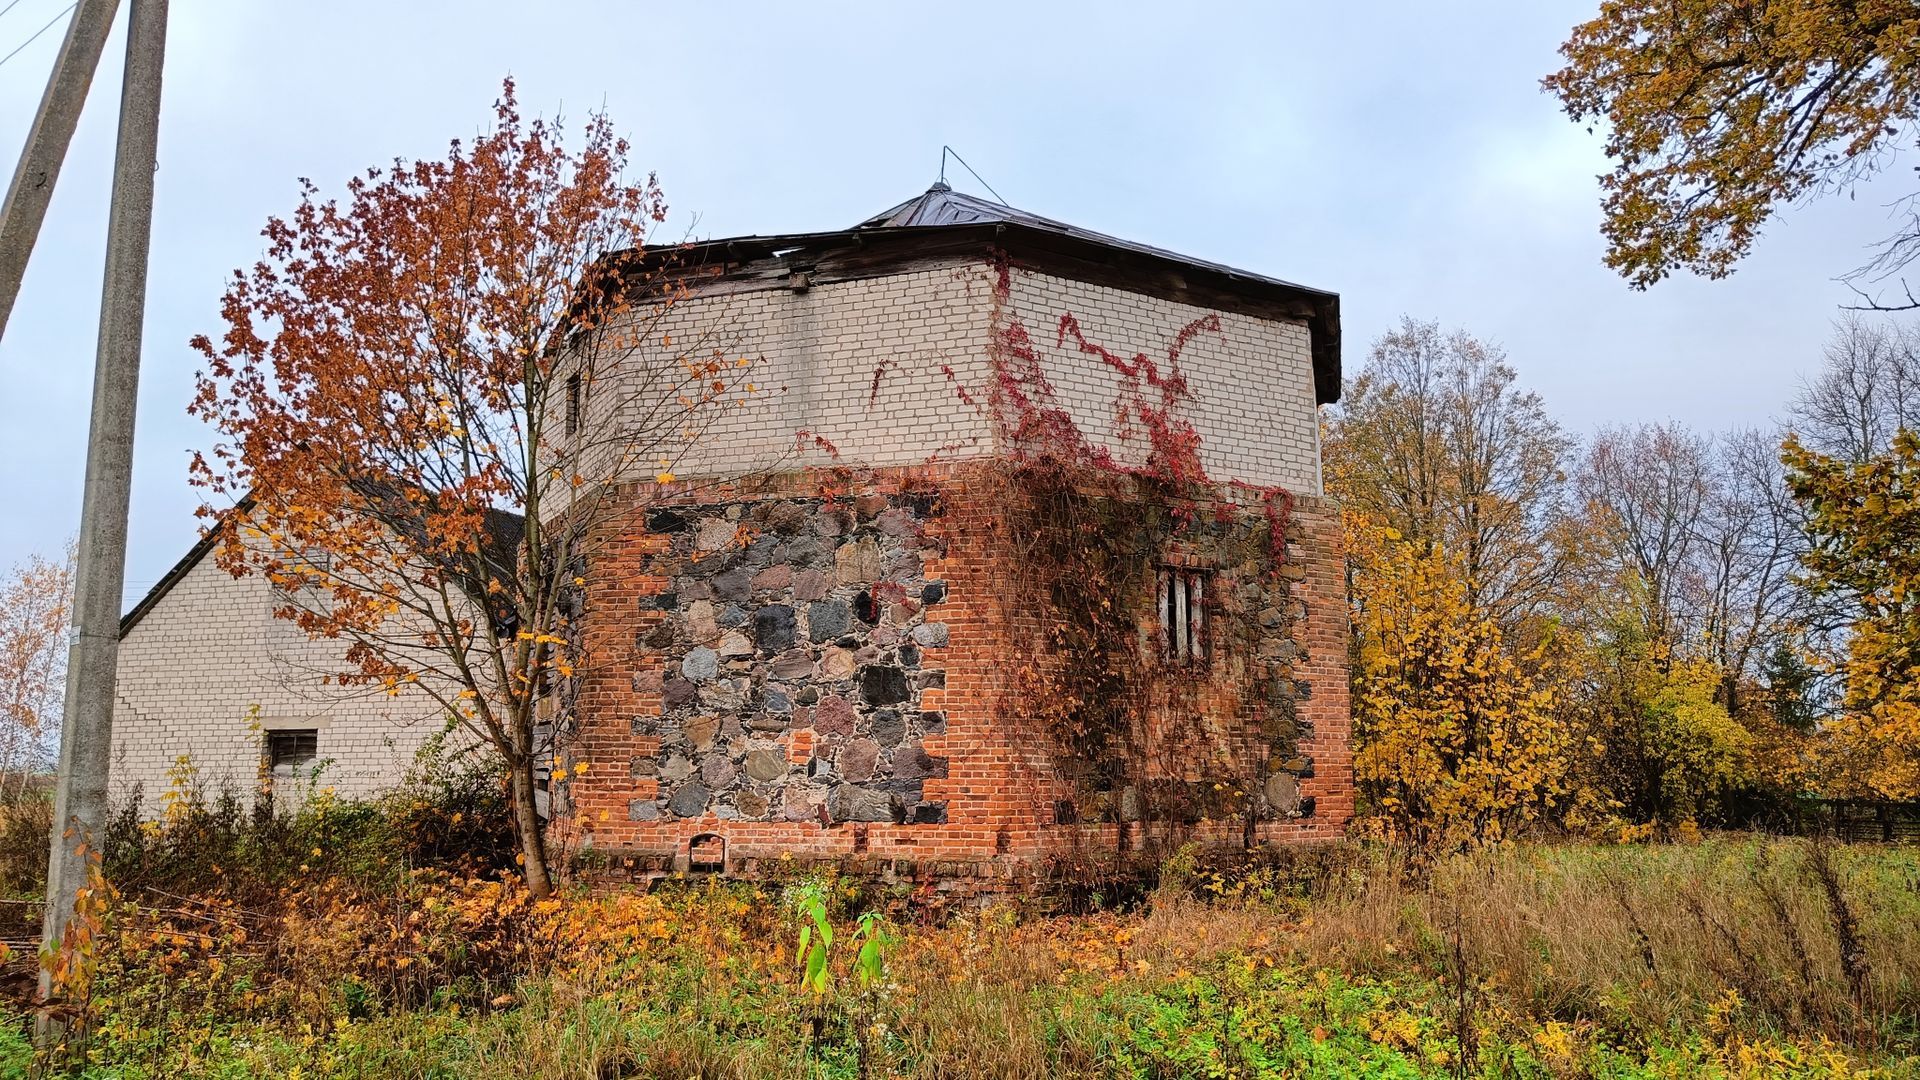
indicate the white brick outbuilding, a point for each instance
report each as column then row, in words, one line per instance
column 208, row 674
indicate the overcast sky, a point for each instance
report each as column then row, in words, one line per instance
column 1403, row 157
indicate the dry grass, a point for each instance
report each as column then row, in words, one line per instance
column 1650, row 937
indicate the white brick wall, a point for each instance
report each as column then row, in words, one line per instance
column 1250, row 386
column 192, row 669
column 816, row 356
column 860, row 364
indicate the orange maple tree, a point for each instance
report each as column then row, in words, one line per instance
column 425, row 398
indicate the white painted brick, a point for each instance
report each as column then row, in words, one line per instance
column 193, row 669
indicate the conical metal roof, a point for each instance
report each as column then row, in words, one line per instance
column 941, row 205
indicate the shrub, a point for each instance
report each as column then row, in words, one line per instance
column 26, row 821
column 448, row 813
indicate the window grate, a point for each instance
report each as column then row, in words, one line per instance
column 1183, row 616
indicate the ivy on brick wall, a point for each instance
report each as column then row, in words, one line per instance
column 1088, row 532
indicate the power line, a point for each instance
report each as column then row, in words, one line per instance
column 9, row 7
column 75, row 4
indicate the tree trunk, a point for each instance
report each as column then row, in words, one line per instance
column 526, row 828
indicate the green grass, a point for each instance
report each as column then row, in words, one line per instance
column 1230, row 1022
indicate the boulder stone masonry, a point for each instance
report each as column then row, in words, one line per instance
column 838, row 636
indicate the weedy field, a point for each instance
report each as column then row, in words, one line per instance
column 289, row 948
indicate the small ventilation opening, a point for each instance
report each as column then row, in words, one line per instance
column 707, row 854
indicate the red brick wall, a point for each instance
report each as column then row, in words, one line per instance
column 1000, row 788
column 1321, row 559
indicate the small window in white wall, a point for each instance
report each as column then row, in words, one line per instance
column 1182, row 601
column 289, row 753
column 291, row 757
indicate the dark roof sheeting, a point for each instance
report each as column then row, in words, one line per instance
column 941, row 205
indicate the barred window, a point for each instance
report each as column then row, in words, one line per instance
column 1183, row 615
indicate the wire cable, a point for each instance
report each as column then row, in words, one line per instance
column 944, row 151
column 75, row 4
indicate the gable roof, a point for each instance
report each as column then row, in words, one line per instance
column 504, row 530
column 945, row 223
column 168, row 580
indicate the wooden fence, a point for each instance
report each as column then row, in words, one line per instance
column 1858, row 819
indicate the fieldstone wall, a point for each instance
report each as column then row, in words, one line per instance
column 799, row 637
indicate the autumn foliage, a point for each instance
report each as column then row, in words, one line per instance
column 1864, row 517
column 420, row 399
column 36, row 602
column 1751, row 958
column 1718, row 113
column 1610, row 635
column 1456, row 739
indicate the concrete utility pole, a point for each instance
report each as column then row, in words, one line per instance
column 80, row 801
column 33, row 179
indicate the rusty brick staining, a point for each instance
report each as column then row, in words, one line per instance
column 814, row 659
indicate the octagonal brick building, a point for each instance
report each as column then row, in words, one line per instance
column 1020, row 560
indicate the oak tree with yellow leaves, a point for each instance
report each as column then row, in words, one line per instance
column 1719, row 112
column 429, row 395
